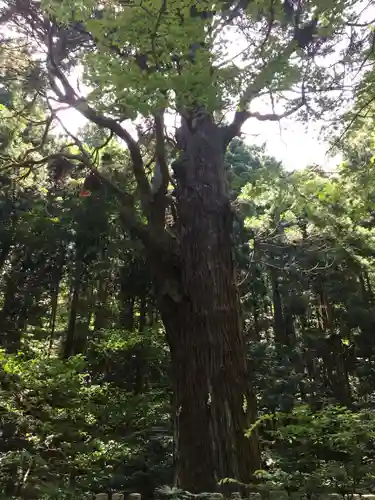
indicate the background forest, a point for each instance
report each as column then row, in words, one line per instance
column 87, row 394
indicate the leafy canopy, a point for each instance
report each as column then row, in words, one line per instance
column 138, row 57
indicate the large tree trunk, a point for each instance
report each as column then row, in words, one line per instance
column 213, row 398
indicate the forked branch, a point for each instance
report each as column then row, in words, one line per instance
column 253, row 91
column 69, row 96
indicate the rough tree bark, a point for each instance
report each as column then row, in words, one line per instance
column 214, row 401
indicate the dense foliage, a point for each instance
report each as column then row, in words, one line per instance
column 101, row 419
column 129, row 352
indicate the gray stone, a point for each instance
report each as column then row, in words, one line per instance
column 101, row 496
column 117, row 496
column 216, row 496
column 255, row 496
column 134, row 496
column 235, row 496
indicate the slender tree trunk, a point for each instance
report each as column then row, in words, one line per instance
column 365, row 285
column 369, row 288
column 57, row 274
column 74, row 340
column 340, row 380
column 141, row 351
column 333, row 354
column 278, row 318
column 10, row 335
column 101, row 308
column 7, row 240
column 214, row 401
column 255, row 332
column 68, row 348
column 5, row 250
column 126, row 316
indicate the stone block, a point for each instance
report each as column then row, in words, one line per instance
column 134, row 496
column 255, row 496
column 216, row 496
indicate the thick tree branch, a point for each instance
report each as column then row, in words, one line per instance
column 69, row 96
column 123, row 196
column 254, row 89
column 134, row 150
column 162, row 243
column 159, row 240
column 161, row 178
column 242, row 116
column 160, row 151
